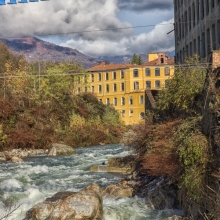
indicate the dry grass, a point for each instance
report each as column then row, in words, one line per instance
column 161, row 157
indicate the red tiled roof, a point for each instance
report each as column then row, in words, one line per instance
column 169, row 61
column 112, row 66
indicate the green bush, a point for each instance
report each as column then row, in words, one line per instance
column 179, row 96
column 193, row 150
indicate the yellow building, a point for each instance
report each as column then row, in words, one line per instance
column 124, row 85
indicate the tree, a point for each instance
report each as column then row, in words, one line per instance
column 140, row 60
column 136, row 60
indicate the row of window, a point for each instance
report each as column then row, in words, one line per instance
column 211, row 38
column 193, row 13
column 130, row 100
column 148, row 72
column 135, row 86
column 131, row 113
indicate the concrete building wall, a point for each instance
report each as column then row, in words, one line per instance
column 197, row 28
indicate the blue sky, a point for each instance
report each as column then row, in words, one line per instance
column 48, row 19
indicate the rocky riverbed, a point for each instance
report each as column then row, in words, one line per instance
column 40, row 177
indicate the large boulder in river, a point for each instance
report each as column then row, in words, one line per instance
column 61, row 150
column 83, row 205
column 2, row 157
column 16, row 159
column 118, row 191
column 124, row 165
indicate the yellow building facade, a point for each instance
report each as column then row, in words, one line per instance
column 124, row 85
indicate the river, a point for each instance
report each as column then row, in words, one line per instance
column 37, row 178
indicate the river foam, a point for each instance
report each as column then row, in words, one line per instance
column 38, row 178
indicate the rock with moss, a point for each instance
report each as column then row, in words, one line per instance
column 61, row 150
column 85, row 204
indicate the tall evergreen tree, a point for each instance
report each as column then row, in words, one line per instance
column 134, row 59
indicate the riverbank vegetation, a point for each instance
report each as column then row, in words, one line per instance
column 43, row 103
column 180, row 143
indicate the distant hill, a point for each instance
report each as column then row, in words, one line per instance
column 122, row 59
column 35, row 49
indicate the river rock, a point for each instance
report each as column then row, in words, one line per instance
column 61, row 150
column 2, row 157
column 116, row 191
column 16, row 159
column 124, row 165
column 83, row 205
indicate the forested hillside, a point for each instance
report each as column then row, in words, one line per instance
column 40, row 104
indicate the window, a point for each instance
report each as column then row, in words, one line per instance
column 85, row 79
column 114, row 75
column 193, row 14
column 190, row 49
column 141, row 115
column 122, row 113
column 131, row 112
column 99, row 76
column 100, row 89
column 161, row 60
column 130, row 100
column 203, row 51
column 115, row 101
column 214, row 45
column 185, row 22
column 107, row 101
column 141, row 99
column 107, row 88
column 207, row 7
column 202, row 9
column 135, row 73
column 93, row 89
column 122, row 100
column 157, row 83
column 198, row 10
column 198, row 48
column 78, row 90
column 190, row 19
column 115, row 87
column 147, row 72
column 92, row 77
column 157, row 72
column 148, row 84
column 106, row 76
column 136, row 85
column 218, row 34
column 122, row 87
column 194, row 46
column 213, row 3
column 167, row 71
column 208, row 41
column 122, row 74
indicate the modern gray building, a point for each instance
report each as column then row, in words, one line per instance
column 197, row 28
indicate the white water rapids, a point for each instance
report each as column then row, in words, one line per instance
column 38, row 178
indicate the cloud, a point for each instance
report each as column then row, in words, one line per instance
column 82, row 18
column 145, row 5
column 140, row 44
column 57, row 16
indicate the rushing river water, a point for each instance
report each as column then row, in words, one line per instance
column 37, row 178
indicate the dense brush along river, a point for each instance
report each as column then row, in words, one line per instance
column 40, row 177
